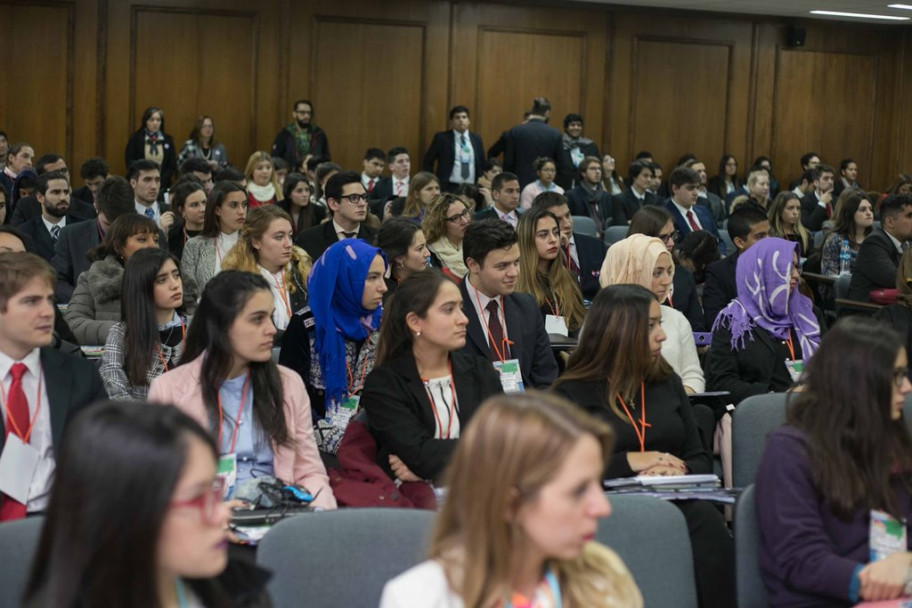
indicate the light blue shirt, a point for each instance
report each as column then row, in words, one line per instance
column 253, row 449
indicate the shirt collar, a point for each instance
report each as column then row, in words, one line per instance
column 50, row 225
column 683, row 210
column 339, row 229
column 32, row 361
column 478, row 298
column 896, row 242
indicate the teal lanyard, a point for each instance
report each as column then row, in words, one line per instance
column 181, row 595
column 553, row 586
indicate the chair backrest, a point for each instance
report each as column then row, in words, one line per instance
column 584, row 225
column 729, row 243
column 651, row 536
column 749, row 585
column 818, row 239
column 613, row 234
column 841, row 286
column 752, row 422
column 18, row 541
column 342, row 558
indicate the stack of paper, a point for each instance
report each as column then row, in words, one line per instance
column 674, row 487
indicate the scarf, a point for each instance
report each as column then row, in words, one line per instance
column 450, row 255
column 302, row 138
column 335, row 288
column 579, row 142
column 904, row 278
column 153, row 139
column 592, row 192
column 633, row 260
column 764, row 298
column 264, row 194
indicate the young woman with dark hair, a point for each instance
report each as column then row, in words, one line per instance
column 619, row 375
column 405, row 248
column 840, row 469
column 726, row 180
column 149, row 339
column 150, row 142
column 136, row 518
column 298, row 204
column 201, row 143
column 95, row 306
column 226, row 210
column 853, row 221
column 188, row 202
column 424, row 391
column 228, row 382
column 546, row 170
column 848, row 176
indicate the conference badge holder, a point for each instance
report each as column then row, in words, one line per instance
column 510, row 376
column 227, row 470
column 796, row 368
column 343, row 412
column 17, row 468
column 555, row 324
column 887, row 535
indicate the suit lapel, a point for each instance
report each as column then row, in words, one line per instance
column 475, row 332
column 513, row 317
column 58, row 381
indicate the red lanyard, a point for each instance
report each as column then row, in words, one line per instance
column 450, row 407
column 555, row 308
column 502, row 351
column 11, row 422
column 640, row 429
column 237, row 421
column 351, row 378
column 791, row 346
column 158, row 346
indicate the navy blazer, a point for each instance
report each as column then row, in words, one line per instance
column 317, row 239
column 576, row 200
column 41, row 238
column 683, row 227
column 719, row 288
column 70, row 256
column 591, row 253
column 525, row 329
column 626, row 204
column 443, row 151
column 525, row 143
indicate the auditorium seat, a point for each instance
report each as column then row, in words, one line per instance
column 18, row 542
column 749, row 586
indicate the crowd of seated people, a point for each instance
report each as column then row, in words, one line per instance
column 273, row 304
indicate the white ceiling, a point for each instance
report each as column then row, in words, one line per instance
column 782, row 8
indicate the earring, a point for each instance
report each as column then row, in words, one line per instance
column 417, row 334
column 399, row 265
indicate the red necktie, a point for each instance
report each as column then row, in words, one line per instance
column 572, row 264
column 829, row 210
column 370, row 186
column 398, row 188
column 692, row 221
column 16, row 409
column 495, row 329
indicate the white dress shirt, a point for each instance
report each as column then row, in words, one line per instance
column 480, row 302
column 141, row 209
column 462, row 154
column 683, row 211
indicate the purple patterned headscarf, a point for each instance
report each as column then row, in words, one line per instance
column 764, row 298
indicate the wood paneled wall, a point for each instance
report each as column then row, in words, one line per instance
column 78, row 74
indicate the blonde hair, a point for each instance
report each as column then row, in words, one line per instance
column 243, row 256
column 777, row 227
column 257, row 158
column 412, row 206
column 513, row 447
column 558, row 283
column 435, row 217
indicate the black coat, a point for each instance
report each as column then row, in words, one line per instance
column 527, row 142
column 70, row 259
column 318, row 239
column 591, row 253
column 577, row 200
column 442, row 152
column 626, row 204
column 28, row 207
column 568, row 173
column 284, row 147
column 41, row 238
column 812, row 214
column 685, row 298
column 136, row 149
column 400, row 414
column 525, row 329
column 875, row 266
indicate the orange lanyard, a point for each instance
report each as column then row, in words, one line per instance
column 237, row 421
column 158, row 345
column 502, row 351
column 791, row 346
column 555, row 308
column 351, row 378
column 640, row 429
column 282, row 293
column 11, row 422
column 450, row 407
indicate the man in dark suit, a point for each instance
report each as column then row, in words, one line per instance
column 746, row 226
column 809, row 161
column 93, row 173
column 530, row 140
column 458, row 153
column 503, row 325
column 115, row 198
column 688, row 216
column 817, row 206
column 505, row 192
column 347, row 200
column 394, row 186
column 582, row 254
column 574, row 149
column 627, row 203
column 42, row 387
column 589, row 198
column 52, row 191
column 28, row 207
column 879, row 254
column 708, row 199
column 145, row 179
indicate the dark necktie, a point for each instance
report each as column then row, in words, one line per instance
column 465, row 165
column 55, row 234
column 17, row 411
column 350, row 235
column 495, row 329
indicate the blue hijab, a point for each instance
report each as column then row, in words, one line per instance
column 335, row 287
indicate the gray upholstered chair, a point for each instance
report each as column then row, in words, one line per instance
column 18, row 541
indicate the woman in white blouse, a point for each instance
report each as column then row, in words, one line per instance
column 226, row 209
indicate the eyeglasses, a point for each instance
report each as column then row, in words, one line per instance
column 899, row 375
column 665, row 238
column 354, row 199
column 458, row 218
column 207, row 501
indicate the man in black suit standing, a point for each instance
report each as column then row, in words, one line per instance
column 574, row 148
column 582, row 254
column 530, row 140
column 879, row 254
column 503, row 326
column 52, row 191
column 817, row 206
column 458, row 153
column 42, row 387
column 627, row 203
column 589, row 198
column 347, row 200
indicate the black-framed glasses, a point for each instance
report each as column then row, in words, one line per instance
column 900, row 374
column 459, row 217
column 673, row 236
column 354, row 199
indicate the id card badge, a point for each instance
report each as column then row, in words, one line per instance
column 556, row 325
column 227, row 469
column 796, row 368
column 577, row 156
column 344, row 411
column 17, row 467
column 510, row 376
column 887, row 536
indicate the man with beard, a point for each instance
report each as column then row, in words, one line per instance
column 52, row 191
column 301, row 139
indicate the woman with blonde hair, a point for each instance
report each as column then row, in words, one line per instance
column 444, row 225
column 785, row 222
column 264, row 247
column 422, row 189
column 523, row 505
column 543, row 273
column 262, row 185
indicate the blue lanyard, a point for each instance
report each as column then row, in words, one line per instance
column 181, row 595
column 553, row 586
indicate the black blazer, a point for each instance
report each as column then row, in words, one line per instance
column 626, row 204
column 316, row 240
column 443, row 151
column 527, row 142
column 591, row 253
column 400, row 415
column 28, row 208
column 716, row 185
column 568, row 173
column 525, row 329
column 812, row 214
column 719, row 288
column 70, row 256
column 685, row 298
column 382, row 192
column 577, row 201
column 875, row 266
column 490, row 213
column 41, row 238
column 136, row 149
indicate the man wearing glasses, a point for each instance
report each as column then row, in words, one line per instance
column 347, row 200
column 301, row 140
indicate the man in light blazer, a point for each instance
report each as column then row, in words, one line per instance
column 458, row 153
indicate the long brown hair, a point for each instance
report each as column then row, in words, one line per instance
column 847, row 206
column 435, row 218
column 775, row 219
column 614, row 344
column 412, row 206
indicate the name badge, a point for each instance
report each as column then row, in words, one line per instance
column 887, row 536
column 796, row 368
column 341, row 413
column 510, row 376
column 577, row 156
column 17, row 468
column 227, row 470
column 556, row 325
